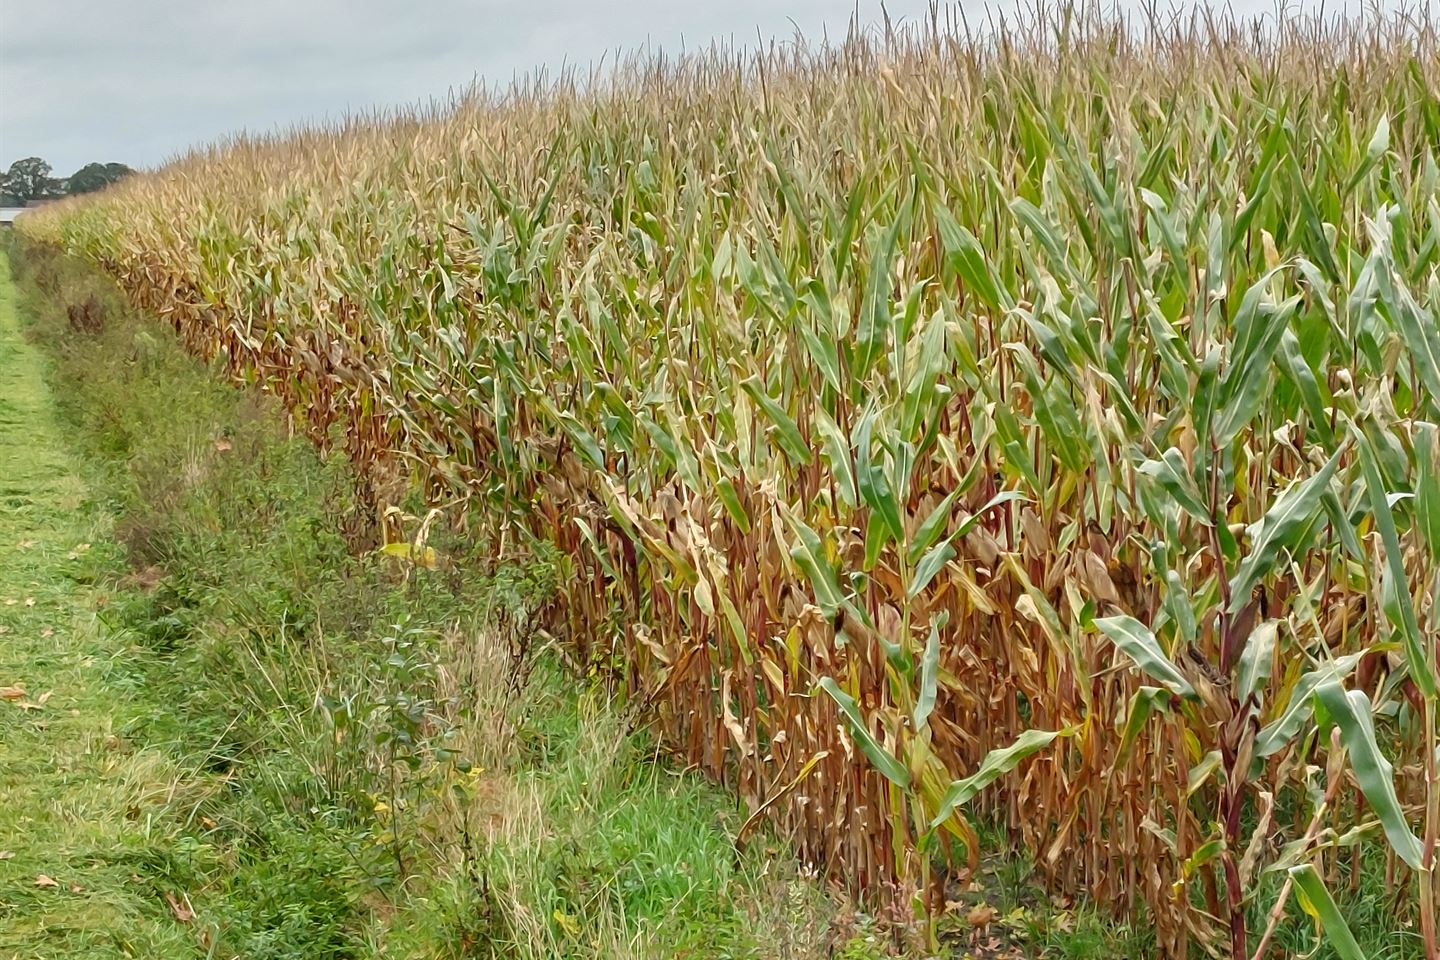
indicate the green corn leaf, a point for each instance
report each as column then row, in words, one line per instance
column 1005, row 496
column 1180, row 607
column 1043, row 229
column 787, row 434
column 1172, row 474
column 1374, row 152
column 924, row 397
column 730, row 497
column 1164, row 223
column 1139, row 644
column 1257, row 660
column 932, row 526
column 809, row 555
column 1416, row 327
column 1282, row 530
column 1319, row 903
column 929, row 675
column 1427, row 487
column 884, row 761
column 1207, row 395
column 930, row 564
column 874, row 325
column 821, row 346
column 1297, row 709
column 1245, row 387
column 1319, row 243
column 995, row 765
column 584, row 440
column 870, row 480
column 1202, row 771
column 1396, row 600
column 1257, row 196
column 965, row 256
column 1351, row 713
column 837, row 451
column 1299, row 372
column 1146, row 702
column 1340, row 523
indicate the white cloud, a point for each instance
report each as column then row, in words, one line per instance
column 138, row 81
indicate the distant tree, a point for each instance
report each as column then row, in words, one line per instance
column 29, row 179
column 96, row 176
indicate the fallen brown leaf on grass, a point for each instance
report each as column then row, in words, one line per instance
column 76, row 888
column 44, row 881
column 7, row 854
column 23, row 704
column 47, row 633
column 222, row 445
column 981, row 915
column 25, row 544
column 12, row 693
column 182, row 909
column 29, row 601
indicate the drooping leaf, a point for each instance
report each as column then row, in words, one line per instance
column 1171, row 473
column 995, row 765
column 1427, row 487
column 930, row 564
column 1396, row 600
column 1146, row 702
column 965, row 256
column 1281, row 530
column 1351, row 713
column 882, row 759
column 1256, row 660
column 1140, row 645
column 929, row 675
column 1297, row 709
column 837, row 452
column 870, row 479
column 787, row 434
column 1319, row 903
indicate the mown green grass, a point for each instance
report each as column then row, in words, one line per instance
column 83, row 803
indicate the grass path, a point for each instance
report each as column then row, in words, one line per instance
column 78, row 801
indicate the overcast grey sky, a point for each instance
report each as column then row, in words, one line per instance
column 138, row 81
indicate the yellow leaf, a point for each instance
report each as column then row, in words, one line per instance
column 567, row 923
column 424, row 557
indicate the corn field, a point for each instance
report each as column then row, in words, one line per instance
column 1033, row 423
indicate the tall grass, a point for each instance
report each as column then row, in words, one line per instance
column 1057, row 397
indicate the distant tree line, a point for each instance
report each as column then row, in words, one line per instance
column 29, row 180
